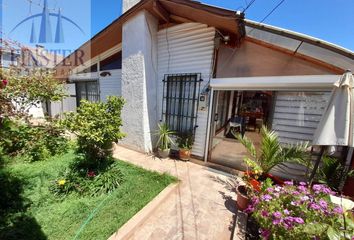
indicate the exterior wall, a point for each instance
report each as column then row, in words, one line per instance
column 67, row 104
column 187, row 48
column 252, row 60
column 111, row 85
column 127, row 4
column 139, row 81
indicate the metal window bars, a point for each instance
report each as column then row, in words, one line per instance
column 180, row 101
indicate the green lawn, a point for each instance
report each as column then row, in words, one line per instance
column 48, row 217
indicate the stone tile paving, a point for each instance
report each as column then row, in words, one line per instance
column 202, row 206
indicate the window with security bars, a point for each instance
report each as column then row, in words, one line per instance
column 88, row 90
column 180, row 101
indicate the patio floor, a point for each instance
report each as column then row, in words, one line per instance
column 202, row 207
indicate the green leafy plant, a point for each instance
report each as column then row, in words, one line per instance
column 331, row 172
column 299, row 212
column 27, row 89
column 164, row 137
column 185, row 141
column 34, row 142
column 271, row 152
column 96, row 126
column 87, row 182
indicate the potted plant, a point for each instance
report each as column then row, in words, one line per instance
column 243, row 199
column 185, row 144
column 164, row 141
column 270, row 154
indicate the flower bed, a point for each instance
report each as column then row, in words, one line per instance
column 299, row 212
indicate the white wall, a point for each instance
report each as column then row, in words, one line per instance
column 68, row 104
column 139, row 76
column 187, row 48
column 111, row 85
column 127, row 4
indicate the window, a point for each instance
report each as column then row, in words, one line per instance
column 87, row 91
column 180, row 101
column 91, row 69
column 112, row 62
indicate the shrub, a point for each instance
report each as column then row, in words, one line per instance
column 299, row 212
column 34, row 142
column 96, row 126
column 87, row 182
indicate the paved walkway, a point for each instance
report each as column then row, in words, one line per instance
column 202, row 207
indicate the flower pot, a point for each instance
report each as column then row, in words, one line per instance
column 257, row 183
column 184, row 154
column 242, row 198
column 163, row 153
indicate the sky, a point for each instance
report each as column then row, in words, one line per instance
column 330, row 20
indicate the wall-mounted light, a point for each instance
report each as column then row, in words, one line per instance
column 105, row 74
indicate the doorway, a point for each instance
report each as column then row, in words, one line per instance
column 238, row 113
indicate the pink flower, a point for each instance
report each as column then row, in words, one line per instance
column 277, row 221
column 277, row 214
column 323, row 203
column 304, row 198
column 267, row 198
column 264, row 213
column 338, row 210
column 290, row 183
column 315, row 206
column 265, row 233
column 302, row 188
column 299, row 220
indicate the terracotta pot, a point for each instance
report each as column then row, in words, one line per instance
column 163, row 153
column 242, row 198
column 257, row 183
column 184, row 154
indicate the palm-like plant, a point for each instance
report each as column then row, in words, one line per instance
column 271, row 152
column 164, row 142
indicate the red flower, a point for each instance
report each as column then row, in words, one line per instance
column 91, row 174
column 4, row 82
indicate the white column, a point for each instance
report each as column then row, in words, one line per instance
column 139, row 81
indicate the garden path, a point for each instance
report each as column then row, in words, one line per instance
column 201, row 207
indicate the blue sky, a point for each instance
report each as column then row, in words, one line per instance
column 330, row 20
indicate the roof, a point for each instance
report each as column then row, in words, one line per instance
column 168, row 13
column 228, row 22
column 301, row 44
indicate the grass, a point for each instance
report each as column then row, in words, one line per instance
column 44, row 216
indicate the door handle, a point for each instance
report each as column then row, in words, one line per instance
column 216, row 117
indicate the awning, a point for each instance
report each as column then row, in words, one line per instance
column 311, row 82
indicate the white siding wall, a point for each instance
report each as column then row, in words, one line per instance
column 111, row 85
column 297, row 114
column 68, row 104
column 187, row 48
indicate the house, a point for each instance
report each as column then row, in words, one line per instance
column 206, row 70
column 8, row 57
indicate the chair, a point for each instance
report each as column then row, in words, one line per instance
column 236, row 124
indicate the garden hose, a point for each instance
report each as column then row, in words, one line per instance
column 89, row 218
